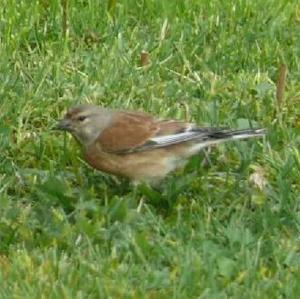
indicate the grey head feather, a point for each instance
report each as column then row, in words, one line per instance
column 86, row 122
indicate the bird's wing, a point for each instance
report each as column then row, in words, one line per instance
column 135, row 132
column 188, row 132
column 132, row 132
column 127, row 132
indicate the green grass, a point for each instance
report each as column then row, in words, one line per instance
column 67, row 231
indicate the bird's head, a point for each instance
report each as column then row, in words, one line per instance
column 85, row 122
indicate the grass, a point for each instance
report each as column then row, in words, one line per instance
column 67, row 231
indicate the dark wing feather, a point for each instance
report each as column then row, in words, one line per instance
column 134, row 132
column 198, row 135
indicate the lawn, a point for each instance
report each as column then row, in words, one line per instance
column 227, row 226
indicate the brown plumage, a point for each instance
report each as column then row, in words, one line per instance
column 127, row 130
column 136, row 145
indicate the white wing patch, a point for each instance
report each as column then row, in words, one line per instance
column 202, row 138
column 205, row 138
column 167, row 139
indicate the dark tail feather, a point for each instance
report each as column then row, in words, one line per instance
column 237, row 134
column 216, row 136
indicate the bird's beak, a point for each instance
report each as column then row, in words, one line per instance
column 63, row 124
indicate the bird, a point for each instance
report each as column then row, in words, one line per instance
column 138, row 146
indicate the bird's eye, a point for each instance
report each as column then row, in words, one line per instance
column 81, row 118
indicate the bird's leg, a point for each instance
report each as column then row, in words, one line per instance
column 206, row 160
column 140, row 205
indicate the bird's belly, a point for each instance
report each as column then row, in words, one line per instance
column 139, row 166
